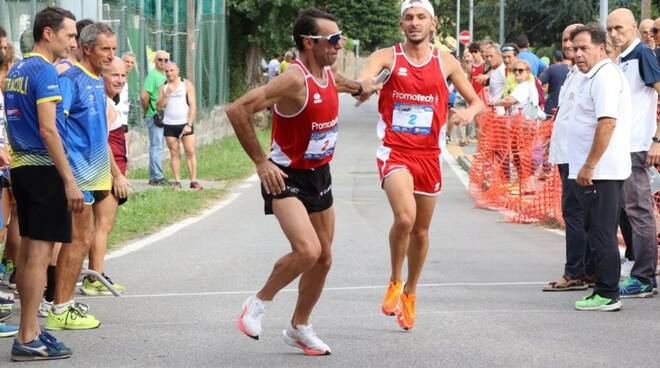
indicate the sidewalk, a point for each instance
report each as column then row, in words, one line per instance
column 139, row 185
column 463, row 155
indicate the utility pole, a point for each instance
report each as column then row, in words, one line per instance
column 471, row 21
column 190, row 41
column 159, row 25
column 458, row 28
column 603, row 13
column 502, row 22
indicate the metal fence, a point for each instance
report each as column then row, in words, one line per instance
column 143, row 27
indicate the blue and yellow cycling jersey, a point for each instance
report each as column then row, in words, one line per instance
column 86, row 139
column 30, row 82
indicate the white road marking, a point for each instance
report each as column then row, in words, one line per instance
column 345, row 288
column 172, row 229
column 457, row 169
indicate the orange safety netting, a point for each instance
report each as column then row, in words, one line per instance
column 510, row 171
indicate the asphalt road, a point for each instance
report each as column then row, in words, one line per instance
column 481, row 304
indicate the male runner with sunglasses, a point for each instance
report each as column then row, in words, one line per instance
column 413, row 109
column 296, row 182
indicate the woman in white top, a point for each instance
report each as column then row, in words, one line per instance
column 176, row 98
column 524, row 98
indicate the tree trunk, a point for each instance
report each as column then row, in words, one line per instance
column 253, row 67
column 646, row 9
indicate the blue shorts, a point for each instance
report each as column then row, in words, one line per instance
column 92, row 196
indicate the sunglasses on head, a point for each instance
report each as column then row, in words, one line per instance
column 519, row 70
column 332, row 39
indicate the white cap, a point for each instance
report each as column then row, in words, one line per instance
column 426, row 4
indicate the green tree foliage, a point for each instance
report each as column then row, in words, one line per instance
column 374, row 22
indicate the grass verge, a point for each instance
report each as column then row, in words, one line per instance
column 148, row 211
column 221, row 160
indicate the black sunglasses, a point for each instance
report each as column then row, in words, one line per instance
column 163, row 60
column 332, row 39
column 519, row 70
column 654, row 30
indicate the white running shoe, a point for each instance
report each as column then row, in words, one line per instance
column 249, row 322
column 303, row 337
column 44, row 308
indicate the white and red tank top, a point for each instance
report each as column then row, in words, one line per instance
column 306, row 139
column 413, row 105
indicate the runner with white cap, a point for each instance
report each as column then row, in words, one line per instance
column 413, row 108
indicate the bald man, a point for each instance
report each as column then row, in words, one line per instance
column 149, row 97
column 640, row 66
column 645, row 30
column 578, row 270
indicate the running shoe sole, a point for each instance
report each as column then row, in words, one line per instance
column 88, row 292
column 8, row 334
column 297, row 344
column 648, row 294
column 604, row 308
column 242, row 328
column 51, row 328
column 30, row 358
column 390, row 312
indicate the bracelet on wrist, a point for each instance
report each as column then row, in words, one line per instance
column 589, row 166
column 359, row 91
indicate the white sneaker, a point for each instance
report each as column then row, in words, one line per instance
column 303, row 337
column 44, row 308
column 626, row 267
column 249, row 322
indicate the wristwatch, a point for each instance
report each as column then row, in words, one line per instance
column 656, row 139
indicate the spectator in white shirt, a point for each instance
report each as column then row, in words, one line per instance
column 274, row 67
column 578, row 269
column 599, row 160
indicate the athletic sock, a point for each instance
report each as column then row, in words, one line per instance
column 49, row 294
column 61, row 308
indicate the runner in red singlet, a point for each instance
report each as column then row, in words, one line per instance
column 296, row 182
column 413, row 109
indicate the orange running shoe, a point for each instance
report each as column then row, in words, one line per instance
column 406, row 314
column 391, row 299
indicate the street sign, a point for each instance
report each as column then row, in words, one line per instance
column 464, row 37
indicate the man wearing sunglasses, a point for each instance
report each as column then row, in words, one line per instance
column 413, row 109
column 296, row 181
column 155, row 78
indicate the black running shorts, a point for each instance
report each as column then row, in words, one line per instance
column 176, row 131
column 41, row 203
column 313, row 187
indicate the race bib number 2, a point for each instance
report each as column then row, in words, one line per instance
column 321, row 144
column 412, row 119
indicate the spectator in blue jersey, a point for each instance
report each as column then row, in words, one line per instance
column 656, row 33
column 523, row 53
column 554, row 77
column 84, row 106
column 44, row 186
column 640, row 67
